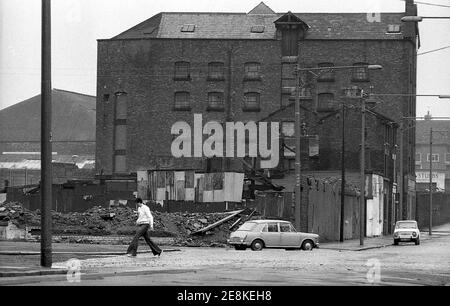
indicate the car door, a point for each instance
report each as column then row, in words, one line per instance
column 271, row 235
column 289, row 236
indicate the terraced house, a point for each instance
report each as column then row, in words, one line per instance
column 239, row 67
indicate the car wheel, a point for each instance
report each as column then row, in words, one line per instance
column 257, row 245
column 240, row 247
column 417, row 241
column 395, row 242
column 307, row 245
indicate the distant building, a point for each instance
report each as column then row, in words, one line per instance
column 239, row 67
column 440, row 155
column 73, row 138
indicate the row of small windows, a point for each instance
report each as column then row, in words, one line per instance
column 434, row 158
column 182, row 101
column 216, row 71
column 360, row 74
column 190, row 28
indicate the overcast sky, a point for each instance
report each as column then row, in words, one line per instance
column 77, row 24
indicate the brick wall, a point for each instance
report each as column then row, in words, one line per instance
column 145, row 69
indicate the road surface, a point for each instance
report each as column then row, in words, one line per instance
column 407, row 264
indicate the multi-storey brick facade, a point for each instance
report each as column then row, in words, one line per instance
column 238, row 67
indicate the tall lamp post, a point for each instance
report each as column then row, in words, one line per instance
column 300, row 87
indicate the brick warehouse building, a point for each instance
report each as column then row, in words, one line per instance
column 237, row 67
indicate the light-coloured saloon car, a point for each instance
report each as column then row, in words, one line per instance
column 406, row 231
column 259, row 234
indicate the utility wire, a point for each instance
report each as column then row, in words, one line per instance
column 430, row 4
column 433, row 50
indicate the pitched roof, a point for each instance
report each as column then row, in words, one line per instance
column 423, row 132
column 261, row 9
column 73, row 118
column 238, row 25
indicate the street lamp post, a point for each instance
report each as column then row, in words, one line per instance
column 420, row 18
column 362, row 168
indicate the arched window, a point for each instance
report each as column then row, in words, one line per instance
column 182, row 100
column 215, row 101
column 252, row 71
column 182, row 71
column 252, row 101
column 216, row 71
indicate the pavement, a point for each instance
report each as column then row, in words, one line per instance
column 22, row 258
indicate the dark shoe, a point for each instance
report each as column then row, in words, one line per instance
column 159, row 254
column 131, row 255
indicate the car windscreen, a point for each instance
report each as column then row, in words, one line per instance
column 248, row 226
column 406, row 225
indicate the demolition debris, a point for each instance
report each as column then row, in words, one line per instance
column 187, row 229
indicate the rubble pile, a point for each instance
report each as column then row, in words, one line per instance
column 121, row 220
column 18, row 215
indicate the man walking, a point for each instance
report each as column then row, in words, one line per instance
column 144, row 223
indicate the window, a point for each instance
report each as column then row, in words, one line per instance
column 182, row 101
column 182, row 71
column 215, row 101
column 418, row 158
column 326, row 76
column 447, row 158
column 188, row 28
column 325, row 102
column 257, row 29
column 285, row 227
column 216, row 71
column 252, row 71
column 105, row 97
column 288, row 128
column 393, row 28
column 360, row 74
column 272, row 227
column 252, row 101
column 434, row 159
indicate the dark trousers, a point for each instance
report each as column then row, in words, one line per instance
column 142, row 230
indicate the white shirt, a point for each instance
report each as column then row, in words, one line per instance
column 145, row 216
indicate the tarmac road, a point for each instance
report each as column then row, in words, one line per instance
column 407, row 264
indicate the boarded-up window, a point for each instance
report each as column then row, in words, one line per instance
column 120, row 163
column 121, row 106
column 120, row 142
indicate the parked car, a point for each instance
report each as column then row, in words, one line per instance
column 259, row 234
column 406, row 230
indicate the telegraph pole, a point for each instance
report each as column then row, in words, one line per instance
column 430, row 232
column 341, row 235
column 46, row 146
column 298, row 177
column 363, row 166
